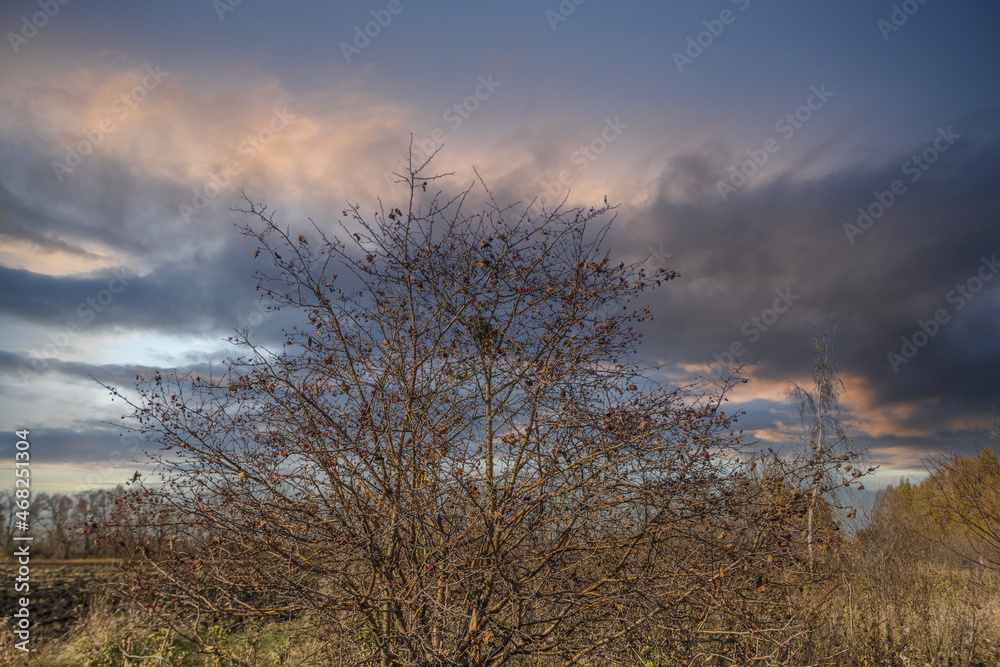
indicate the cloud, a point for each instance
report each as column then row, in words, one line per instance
column 788, row 233
column 198, row 140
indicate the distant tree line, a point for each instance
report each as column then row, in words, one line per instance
column 952, row 515
column 61, row 524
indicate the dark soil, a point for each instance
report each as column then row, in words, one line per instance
column 60, row 593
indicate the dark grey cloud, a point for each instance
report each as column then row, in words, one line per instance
column 92, row 444
column 207, row 299
column 937, row 243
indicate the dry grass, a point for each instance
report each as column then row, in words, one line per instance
column 886, row 611
column 914, row 613
column 112, row 636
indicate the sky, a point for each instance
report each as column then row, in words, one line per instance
column 806, row 167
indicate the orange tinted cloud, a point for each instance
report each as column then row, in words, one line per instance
column 867, row 417
column 53, row 260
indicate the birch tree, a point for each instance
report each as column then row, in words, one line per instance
column 830, row 461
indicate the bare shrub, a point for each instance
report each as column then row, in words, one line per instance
column 456, row 460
